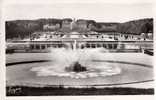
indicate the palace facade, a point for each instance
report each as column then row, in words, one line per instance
column 79, row 32
column 68, row 25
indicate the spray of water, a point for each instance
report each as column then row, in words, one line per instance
column 65, row 57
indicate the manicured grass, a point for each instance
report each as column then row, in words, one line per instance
column 61, row 91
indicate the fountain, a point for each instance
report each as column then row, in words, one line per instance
column 76, row 63
column 76, row 67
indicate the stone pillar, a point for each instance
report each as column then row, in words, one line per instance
column 101, row 45
column 45, row 46
column 107, row 46
column 34, row 46
column 113, row 46
column 40, row 46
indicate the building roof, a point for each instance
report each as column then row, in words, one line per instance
column 67, row 19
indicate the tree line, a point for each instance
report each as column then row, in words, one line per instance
column 24, row 28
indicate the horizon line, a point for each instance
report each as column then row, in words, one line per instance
column 78, row 19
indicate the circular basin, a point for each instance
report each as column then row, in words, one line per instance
column 131, row 73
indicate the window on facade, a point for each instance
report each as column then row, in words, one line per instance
column 43, row 46
column 37, row 46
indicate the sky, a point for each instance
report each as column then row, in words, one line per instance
column 100, row 12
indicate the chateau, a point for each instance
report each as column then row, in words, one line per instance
column 82, row 34
column 68, row 25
